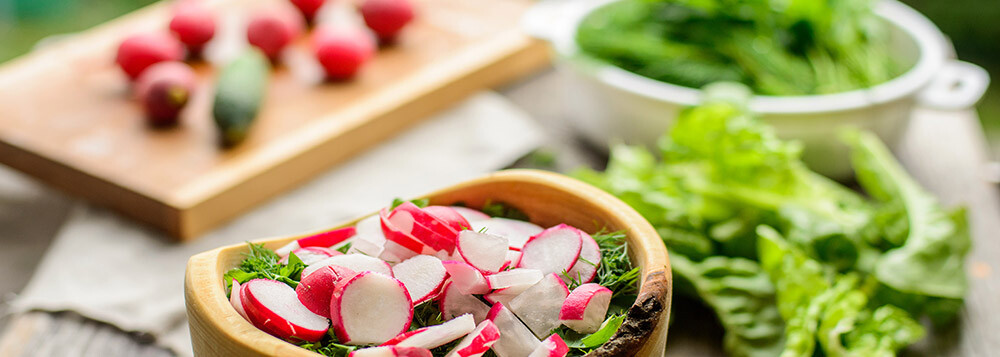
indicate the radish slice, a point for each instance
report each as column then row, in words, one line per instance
column 287, row 248
column 274, row 307
column 501, row 296
column 395, row 253
column 437, row 335
column 327, row 239
column 315, row 290
column 516, row 232
column 469, row 214
column 427, row 228
column 553, row 346
column 454, row 303
column 311, row 255
column 401, row 235
column 516, row 340
column 520, row 278
column 422, row 275
column 585, row 308
column 368, row 239
column 555, row 250
column 466, row 278
column 476, row 343
column 539, row 306
column 234, row 299
column 586, row 266
column 450, row 217
column 370, row 308
column 513, row 258
column 486, row 252
column 391, row 351
column 355, row 262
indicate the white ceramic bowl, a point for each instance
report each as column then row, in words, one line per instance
column 608, row 103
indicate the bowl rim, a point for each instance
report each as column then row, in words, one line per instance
column 210, row 307
column 931, row 43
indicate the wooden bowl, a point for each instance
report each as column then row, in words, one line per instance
column 547, row 198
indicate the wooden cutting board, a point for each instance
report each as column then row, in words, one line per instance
column 67, row 116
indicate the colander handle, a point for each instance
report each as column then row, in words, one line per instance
column 958, row 85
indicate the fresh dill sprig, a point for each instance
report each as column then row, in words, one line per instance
column 262, row 263
column 615, row 270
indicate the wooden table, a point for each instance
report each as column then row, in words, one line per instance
column 946, row 151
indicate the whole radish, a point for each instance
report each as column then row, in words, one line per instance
column 193, row 24
column 386, row 17
column 138, row 52
column 308, row 8
column 164, row 89
column 272, row 31
column 342, row 52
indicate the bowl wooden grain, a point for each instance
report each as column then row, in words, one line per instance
column 548, row 199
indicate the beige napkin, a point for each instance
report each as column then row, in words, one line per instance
column 113, row 270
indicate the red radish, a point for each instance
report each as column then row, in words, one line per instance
column 342, row 52
column 516, row 232
column 449, row 216
column 520, row 279
column 553, row 346
column 422, row 275
column 466, row 278
column 368, row 239
column 401, row 234
column 454, row 303
column 391, row 351
column 356, row 262
column 325, row 239
column 234, row 299
column 555, row 250
column 585, row 308
column 308, row 8
column 437, row 335
column 274, row 307
column 539, row 306
column 272, row 31
column 469, row 214
column 586, row 266
column 370, row 308
column 386, row 17
column 138, row 52
column 516, row 340
column 193, row 24
column 311, row 255
column 315, row 290
column 476, row 343
column 433, row 231
column 484, row 251
column 164, row 89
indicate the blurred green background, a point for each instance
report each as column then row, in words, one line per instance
column 971, row 24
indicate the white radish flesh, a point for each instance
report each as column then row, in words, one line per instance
column 274, row 307
column 513, row 258
column 369, row 239
column 422, row 275
column 476, row 343
column 501, row 296
column 355, row 262
column 552, row 346
column 516, row 340
column 454, row 303
column 450, row 217
column 585, row 308
column 394, row 253
column 437, row 335
column 539, row 306
column 311, row 255
column 234, row 299
column 371, row 308
column 555, row 250
column 466, row 278
column 470, row 215
column 516, row 232
column 586, row 266
column 287, row 248
column 520, row 279
column 486, row 252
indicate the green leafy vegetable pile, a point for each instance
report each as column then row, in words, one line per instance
column 794, row 264
column 776, row 47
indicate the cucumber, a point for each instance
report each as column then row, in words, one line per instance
column 239, row 91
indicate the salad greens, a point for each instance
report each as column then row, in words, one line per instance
column 792, row 263
column 776, row 47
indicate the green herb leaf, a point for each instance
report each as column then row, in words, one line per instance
column 503, row 210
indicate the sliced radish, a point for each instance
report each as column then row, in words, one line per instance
column 516, row 232
column 437, row 335
column 516, row 340
column 427, row 228
column 450, row 217
column 287, row 248
column 502, row 296
column 520, row 278
column 513, row 258
column 274, row 307
column 476, row 343
column 422, row 275
column 555, row 250
column 311, row 255
column 466, row 278
column 315, row 290
column 391, row 351
column 368, row 239
column 553, row 346
column 454, row 303
column 356, row 262
column 539, row 306
column 394, row 253
column 469, row 214
column 585, row 308
column 586, row 266
column 398, row 231
column 234, row 299
column 329, row 238
column 484, row 251
column 370, row 308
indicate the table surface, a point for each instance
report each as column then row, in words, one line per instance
column 946, row 151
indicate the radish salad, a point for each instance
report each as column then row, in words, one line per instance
column 419, row 280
